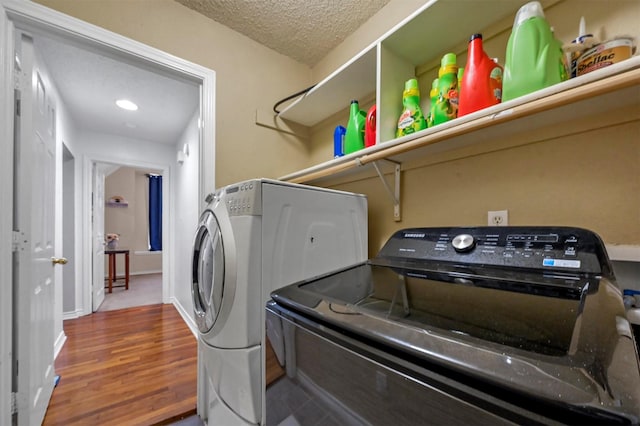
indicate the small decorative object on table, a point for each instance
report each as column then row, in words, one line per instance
column 112, row 241
column 117, row 201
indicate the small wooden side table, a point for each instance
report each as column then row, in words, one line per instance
column 112, row 268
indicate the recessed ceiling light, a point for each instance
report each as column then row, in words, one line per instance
column 126, row 104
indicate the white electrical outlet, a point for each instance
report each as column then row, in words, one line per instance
column 498, row 218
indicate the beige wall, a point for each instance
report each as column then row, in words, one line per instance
column 588, row 178
column 249, row 77
column 131, row 222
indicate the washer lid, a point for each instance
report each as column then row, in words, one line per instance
column 207, row 283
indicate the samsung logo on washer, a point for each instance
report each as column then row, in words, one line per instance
column 414, row 235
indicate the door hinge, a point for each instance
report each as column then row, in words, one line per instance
column 14, row 403
column 18, row 241
column 19, row 79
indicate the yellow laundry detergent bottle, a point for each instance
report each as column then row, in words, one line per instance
column 411, row 120
column 446, row 106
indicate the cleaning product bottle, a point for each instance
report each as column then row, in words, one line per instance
column 433, row 97
column 338, row 141
column 370, row 128
column 481, row 80
column 411, row 120
column 446, row 107
column 534, row 58
column 578, row 46
column 354, row 136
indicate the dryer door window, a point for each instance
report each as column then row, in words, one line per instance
column 207, row 272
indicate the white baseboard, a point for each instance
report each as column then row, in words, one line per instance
column 57, row 347
column 72, row 314
column 159, row 271
column 146, row 253
column 186, row 317
column 131, row 274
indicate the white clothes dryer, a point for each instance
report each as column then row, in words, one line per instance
column 255, row 237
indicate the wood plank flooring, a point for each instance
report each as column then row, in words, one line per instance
column 135, row 366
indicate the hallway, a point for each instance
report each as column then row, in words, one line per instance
column 143, row 290
column 133, row 366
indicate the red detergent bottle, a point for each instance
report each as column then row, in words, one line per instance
column 481, row 80
column 370, row 128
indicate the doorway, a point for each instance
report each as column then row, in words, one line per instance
column 69, row 303
column 126, row 215
column 40, row 21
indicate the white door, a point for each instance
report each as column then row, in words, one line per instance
column 97, row 232
column 33, row 319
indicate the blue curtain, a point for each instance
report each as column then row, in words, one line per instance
column 155, row 213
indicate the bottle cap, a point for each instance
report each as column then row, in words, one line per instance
column 448, row 59
column 475, row 36
column 530, row 10
column 354, row 101
column 411, row 84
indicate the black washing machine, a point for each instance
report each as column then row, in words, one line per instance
column 486, row 325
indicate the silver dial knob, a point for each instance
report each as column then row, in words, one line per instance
column 463, row 242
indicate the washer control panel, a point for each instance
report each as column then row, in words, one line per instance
column 463, row 242
column 555, row 248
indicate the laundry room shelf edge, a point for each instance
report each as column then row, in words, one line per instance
column 611, row 88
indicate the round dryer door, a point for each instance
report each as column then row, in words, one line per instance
column 207, row 272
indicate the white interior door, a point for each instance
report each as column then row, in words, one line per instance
column 33, row 321
column 98, row 236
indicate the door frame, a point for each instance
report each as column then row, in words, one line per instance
column 40, row 19
column 167, row 234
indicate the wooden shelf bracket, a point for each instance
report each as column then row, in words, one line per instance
column 395, row 193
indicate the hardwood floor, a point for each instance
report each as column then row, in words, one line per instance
column 133, row 366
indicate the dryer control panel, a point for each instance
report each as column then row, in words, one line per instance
column 244, row 198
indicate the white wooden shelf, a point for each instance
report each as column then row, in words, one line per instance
column 624, row 253
column 611, row 88
column 354, row 80
column 381, row 69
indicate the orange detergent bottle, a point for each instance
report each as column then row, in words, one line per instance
column 481, row 80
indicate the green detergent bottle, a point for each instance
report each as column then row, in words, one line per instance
column 411, row 120
column 354, row 136
column 534, row 57
column 446, row 107
column 433, row 97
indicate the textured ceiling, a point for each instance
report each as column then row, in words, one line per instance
column 305, row 30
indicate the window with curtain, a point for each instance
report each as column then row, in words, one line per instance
column 155, row 213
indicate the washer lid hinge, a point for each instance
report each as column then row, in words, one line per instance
column 395, row 192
